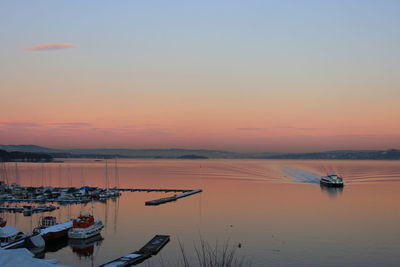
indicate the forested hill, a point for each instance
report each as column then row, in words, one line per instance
column 173, row 153
column 24, row 156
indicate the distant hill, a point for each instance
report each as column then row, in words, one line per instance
column 6, row 156
column 27, row 148
column 392, row 154
column 192, row 157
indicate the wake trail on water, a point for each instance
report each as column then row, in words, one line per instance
column 302, row 176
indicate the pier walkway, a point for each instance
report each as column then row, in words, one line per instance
column 185, row 193
column 148, row 250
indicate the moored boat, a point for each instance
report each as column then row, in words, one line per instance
column 49, row 229
column 11, row 237
column 84, row 227
column 332, row 180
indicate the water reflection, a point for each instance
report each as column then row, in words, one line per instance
column 85, row 247
column 332, row 192
column 56, row 245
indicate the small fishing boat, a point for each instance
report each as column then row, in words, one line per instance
column 84, row 227
column 332, row 180
column 49, row 229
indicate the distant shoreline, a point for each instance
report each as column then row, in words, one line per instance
column 37, row 153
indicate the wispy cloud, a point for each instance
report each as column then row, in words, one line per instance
column 251, row 129
column 51, row 46
column 295, row 128
column 72, row 125
column 276, row 127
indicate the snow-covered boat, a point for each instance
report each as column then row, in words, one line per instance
column 11, row 237
column 49, row 229
column 84, row 227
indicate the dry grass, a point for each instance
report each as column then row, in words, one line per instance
column 207, row 255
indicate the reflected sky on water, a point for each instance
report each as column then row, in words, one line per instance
column 275, row 209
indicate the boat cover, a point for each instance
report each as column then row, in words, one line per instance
column 56, row 227
column 8, row 231
column 22, row 257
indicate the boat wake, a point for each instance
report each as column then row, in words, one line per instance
column 302, row 176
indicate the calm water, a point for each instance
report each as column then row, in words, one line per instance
column 275, row 208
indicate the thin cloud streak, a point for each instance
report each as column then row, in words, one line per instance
column 250, row 129
column 70, row 124
column 50, row 46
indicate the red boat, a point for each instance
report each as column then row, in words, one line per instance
column 49, row 229
column 85, row 227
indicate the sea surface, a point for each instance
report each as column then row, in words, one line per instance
column 275, row 209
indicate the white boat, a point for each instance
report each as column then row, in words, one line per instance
column 11, row 237
column 84, row 227
column 332, row 180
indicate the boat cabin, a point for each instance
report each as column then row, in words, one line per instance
column 8, row 234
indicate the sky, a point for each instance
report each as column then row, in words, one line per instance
column 247, row 76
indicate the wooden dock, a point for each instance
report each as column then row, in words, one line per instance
column 151, row 248
column 152, row 190
column 159, row 201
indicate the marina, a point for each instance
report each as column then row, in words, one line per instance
column 73, row 195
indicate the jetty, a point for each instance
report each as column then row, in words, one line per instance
column 185, row 193
column 151, row 248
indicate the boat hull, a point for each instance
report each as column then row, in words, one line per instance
column 328, row 184
column 55, row 235
column 83, row 233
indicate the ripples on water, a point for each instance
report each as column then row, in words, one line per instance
column 255, row 202
column 302, row 176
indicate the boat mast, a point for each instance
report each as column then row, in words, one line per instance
column 42, row 174
column 59, row 175
column 16, row 174
column 4, row 172
column 106, row 177
column 116, row 174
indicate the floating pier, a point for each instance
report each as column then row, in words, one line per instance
column 153, row 190
column 185, row 193
column 151, row 248
column 28, row 209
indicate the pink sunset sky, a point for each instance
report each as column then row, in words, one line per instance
column 255, row 77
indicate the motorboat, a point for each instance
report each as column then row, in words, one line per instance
column 84, row 227
column 332, row 180
column 49, row 229
column 11, row 237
